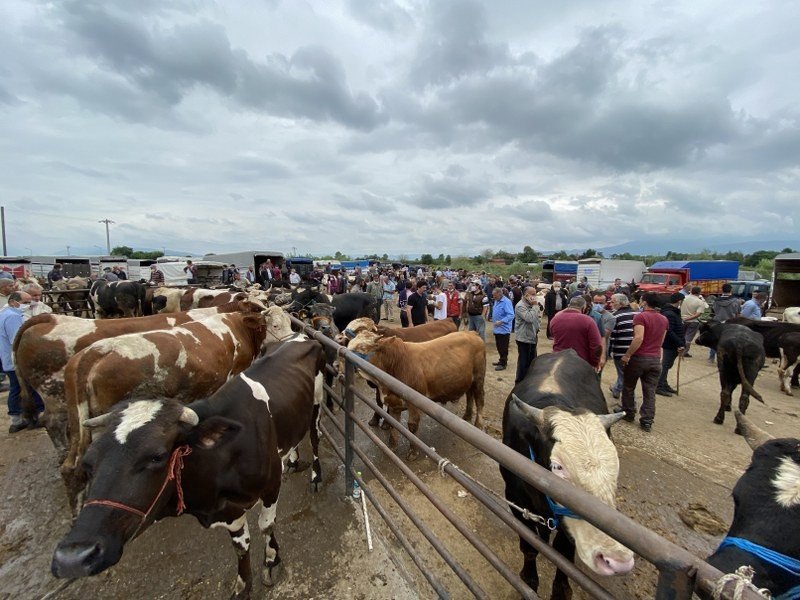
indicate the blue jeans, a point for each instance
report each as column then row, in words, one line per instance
column 14, row 400
column 477, row 323
column 617, row 387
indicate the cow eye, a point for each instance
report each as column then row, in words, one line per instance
column 158, row 458
column 556, row 467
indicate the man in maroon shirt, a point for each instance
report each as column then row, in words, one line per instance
column 571, row 328
column 643, row 361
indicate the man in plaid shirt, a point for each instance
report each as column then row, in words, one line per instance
column 156, row 276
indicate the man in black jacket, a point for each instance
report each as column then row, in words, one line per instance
column 673, row 342
column 555, row 300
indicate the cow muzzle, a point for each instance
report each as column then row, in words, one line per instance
column 609, row 564
column 81, row 559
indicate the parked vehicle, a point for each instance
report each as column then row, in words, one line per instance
column 600, row 272
column 559, row 270
column 671, row 275
column 746, row 289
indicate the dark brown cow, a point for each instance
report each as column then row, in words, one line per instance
column 45, row 343
column 185, row 362
column 443, row 369
column 223, row 455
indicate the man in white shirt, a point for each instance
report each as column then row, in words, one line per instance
column 692, row 307
column 294, row 278
column 440, row 303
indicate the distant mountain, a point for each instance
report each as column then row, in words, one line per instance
column 662, row 246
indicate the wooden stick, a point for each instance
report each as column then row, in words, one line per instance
column 678, row 380
column 366, row 520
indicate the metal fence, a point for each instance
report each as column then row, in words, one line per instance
column 680, row 572
column 60, row 303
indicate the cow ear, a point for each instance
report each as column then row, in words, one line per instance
column 214, row 432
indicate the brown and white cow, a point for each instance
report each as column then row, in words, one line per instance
column 185, row 362
column 44, row 345
column 215, row 459
column 443, row 369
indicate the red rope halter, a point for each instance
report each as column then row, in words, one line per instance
column 173, row 472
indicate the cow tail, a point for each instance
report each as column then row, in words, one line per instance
column 745, row 383
column 29, row 410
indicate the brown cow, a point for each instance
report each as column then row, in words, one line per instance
column 185, row 362
column 45, row 343
column 443, row 369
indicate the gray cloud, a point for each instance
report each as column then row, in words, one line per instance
column 385, row 15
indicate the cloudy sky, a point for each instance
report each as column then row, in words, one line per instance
column 401, row 127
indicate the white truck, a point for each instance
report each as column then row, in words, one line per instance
column 600, row 272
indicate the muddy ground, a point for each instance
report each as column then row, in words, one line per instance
column 685, row 468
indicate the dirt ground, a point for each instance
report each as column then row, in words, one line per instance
column 684, row 468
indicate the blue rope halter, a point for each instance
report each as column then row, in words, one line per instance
column 558, row 511
column 771, row 557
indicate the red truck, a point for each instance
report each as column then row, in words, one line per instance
column 671, row 275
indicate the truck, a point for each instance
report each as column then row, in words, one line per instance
column 745, row 289
column 668, row 276
column 559, row 270
column 601, row 272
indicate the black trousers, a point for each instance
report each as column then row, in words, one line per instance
column 526, row 352
column 502, row 340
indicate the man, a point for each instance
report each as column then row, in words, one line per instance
column 621, row 336
column 726, row 306
column 250, row 276
column 752, row 309
column 6, row 288
column 55, row 274
column 606, row 324
column 266, row 273
column 475, row 308
column 226, row 275
column 37, row 307
column 191, row 273
column 555, row 300
column 417, row 305
column 439, row 303
column 642, row 361
column 10, row 321
column 109, row 275
column 673, row 342
column 526, row 330
column 294, row 277
column 571, row 328
column 693, row 306
column 375, row 289
column 453, row 303
column 119, row 272
column 388, row 295
column 156, row 276
column 502, row 319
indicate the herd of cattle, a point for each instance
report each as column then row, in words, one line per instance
column 200, row 406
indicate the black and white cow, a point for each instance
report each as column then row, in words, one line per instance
column 765, row 532
column 230, row 446
column 740, row 356
column 117, row 298
column 346, row 306
column 774, row 332
column 557, row 416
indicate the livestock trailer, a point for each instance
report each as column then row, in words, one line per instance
column 559, row 270
column 600, row 272
column 209, row 272
column 247, row 258
column 304, row 266
column 16, row 265
column 786, row 280
column 71, row 266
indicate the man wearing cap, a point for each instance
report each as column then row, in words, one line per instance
column 55, row 274
column 108, row 275
column 475, row 308
column 156, row 276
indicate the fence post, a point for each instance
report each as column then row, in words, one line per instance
column 674, row 583
column 349, row 377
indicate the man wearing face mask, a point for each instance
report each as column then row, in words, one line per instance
column 475, row 308
column 554, row 302
column 10, row 322
column 37, row 307
column 526, row 329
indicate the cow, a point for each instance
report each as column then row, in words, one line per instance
column 184, row 362
column 443, row 369
column 765, row 532
column 71, row 296
column 177, row 299
column 792, row 315
column 420, row 333
column 773, row 332
column 214, row 459
column 45, row 343
column 322, row 321
column 740, row 355
column 117, row 298
column 347, row 306
column 557, row 416
column 789, row 345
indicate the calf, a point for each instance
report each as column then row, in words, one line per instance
column 185, row 362
column 443, row 369
column 213, row 459
column 117, row 298
column 557, row 417
column 792, row 315
column 740, row 355
column 773, row 332
column 765, row 532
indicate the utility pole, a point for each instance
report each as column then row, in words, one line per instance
column 3, row 227
column 108, row 238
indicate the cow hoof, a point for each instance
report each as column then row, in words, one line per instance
column 374, row 421
column 719, row 420
column 728, row 408
column 271, row 574
column 737, row 431
column 413, row 454
column 297, row 466
column 241, row 591
column 385, row 425
column 467, row 416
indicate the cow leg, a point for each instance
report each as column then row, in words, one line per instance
column 561, row 587
column 266, row 523
column 796, row 376
column 376, row 418
column 724, row 405
column 292, row 461
column 529, row 573
column 413, row 425
column 240, row 538
column 396, row 413
column 475, row 395
column 316, row 469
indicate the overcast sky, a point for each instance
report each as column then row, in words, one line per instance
column 401, row 127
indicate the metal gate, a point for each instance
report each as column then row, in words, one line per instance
column 680, row 572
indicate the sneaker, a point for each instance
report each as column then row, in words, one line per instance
column 670, row 389
column 646, row 427
column 614, row 394
column 500, row 368
column 496, row 364
column 663, row 392
column 630, row 416
column 18, row 426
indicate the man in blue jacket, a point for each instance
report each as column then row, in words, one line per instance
column 502, row 318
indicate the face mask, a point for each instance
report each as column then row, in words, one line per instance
column 25, row 306
column 599, row 307
column 34, row 303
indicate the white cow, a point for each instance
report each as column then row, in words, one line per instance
column 792, row 314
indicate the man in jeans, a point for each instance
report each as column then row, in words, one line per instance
column 621, row 336
column 673, row 342
column 692, row 308
column 502, row 318
column 526, row 328
column 643, row 361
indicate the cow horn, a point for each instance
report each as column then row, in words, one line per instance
column 98, row 421
column 753, row 435
column 189, row 417
column 609, row 420
column 531, row 412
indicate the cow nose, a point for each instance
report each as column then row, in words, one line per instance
column 77, row 560
column 605, row 564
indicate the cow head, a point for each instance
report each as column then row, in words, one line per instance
column 354, row 328
column 128, row 468
column 576, row 447
column 322, row 319
column 279, row 326
column 709, row 334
